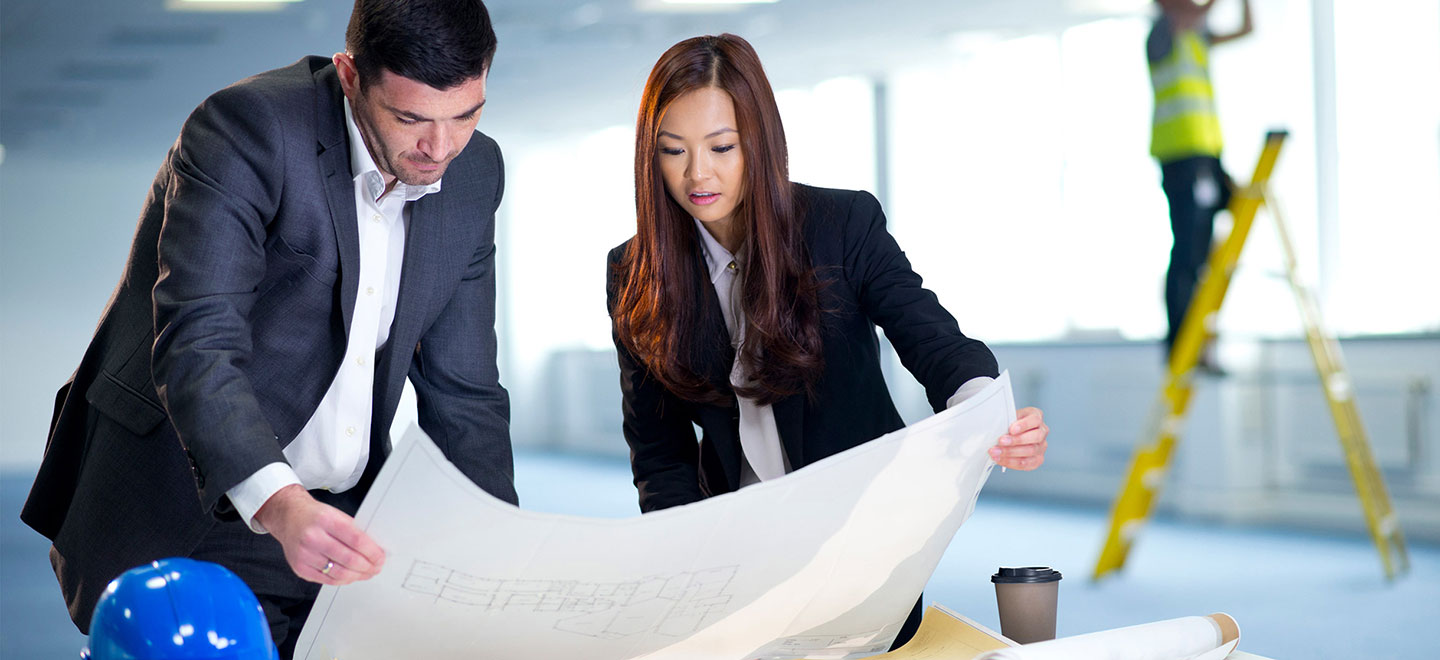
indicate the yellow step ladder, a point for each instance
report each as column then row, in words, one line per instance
column 1152, row 458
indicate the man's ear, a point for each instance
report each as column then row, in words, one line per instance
column 349, row 75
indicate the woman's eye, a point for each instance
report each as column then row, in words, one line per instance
column 723, row 148
column 671, row 151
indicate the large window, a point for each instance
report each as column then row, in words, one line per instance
column 1387, row 102
column 830, row 130
column 1023, row 189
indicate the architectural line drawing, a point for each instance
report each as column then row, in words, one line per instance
column 674, row 605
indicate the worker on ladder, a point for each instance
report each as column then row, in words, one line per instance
column 1185, row 138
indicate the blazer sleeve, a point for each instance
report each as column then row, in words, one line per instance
column 664, row 454
column 460, row 402
column 226, row 177
column 892, row 295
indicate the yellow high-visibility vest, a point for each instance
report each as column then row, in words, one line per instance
column 1185, row 122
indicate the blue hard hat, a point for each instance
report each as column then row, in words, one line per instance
column 179, row 609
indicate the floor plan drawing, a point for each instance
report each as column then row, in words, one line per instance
column 674, row 605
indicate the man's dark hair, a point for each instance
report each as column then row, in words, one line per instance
column 441, row 43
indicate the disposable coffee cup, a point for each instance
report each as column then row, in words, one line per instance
column 1026, row 598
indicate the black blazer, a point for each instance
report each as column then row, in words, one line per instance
column 866, row 281
column 230, row 322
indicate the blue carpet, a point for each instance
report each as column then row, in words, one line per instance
column 1296, row 595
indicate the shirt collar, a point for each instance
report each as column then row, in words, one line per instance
column 717, row 258
column 364, row 167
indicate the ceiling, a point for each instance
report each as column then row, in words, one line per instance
column 123, row 74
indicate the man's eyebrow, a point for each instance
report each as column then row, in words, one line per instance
column 471, row 111
column 417, row 117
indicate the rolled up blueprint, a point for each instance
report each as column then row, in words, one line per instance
column 1187, row 638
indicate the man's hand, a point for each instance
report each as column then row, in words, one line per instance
column 1023, row 445
column 321, row 543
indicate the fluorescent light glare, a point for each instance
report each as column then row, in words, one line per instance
column 227, row 5
column 696, row 6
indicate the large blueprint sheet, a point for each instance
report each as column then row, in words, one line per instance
column 824, row 562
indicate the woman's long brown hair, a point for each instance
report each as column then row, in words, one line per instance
column 655, row 315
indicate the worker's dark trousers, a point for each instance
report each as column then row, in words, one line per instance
column 1197, row 188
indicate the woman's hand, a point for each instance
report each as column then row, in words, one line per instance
column 1023, row 446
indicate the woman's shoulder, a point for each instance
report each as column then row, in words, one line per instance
column 835, row 204
column 615, row 271
column 835, row 196
column 617, row 253
column 836, row 212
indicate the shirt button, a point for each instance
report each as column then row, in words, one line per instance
column 369, row 290
column 360, row 361
column 376, row 218
column 350, row 430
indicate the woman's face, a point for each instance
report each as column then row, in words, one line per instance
column 699, row 155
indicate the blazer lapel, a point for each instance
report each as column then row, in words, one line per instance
column 425, row 255
column 713, row 357
column 790, row 422
column 334, row 156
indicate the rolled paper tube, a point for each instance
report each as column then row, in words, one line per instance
column 1186, row 638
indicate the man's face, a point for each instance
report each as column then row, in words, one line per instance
column 412, row 130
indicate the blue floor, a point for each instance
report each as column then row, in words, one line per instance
column 1295, row 595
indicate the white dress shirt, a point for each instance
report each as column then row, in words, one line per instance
column 332, row 449
column 762, row 456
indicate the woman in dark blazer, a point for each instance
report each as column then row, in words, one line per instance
column 747, row 304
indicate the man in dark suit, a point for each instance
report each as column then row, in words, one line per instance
column 298, row 256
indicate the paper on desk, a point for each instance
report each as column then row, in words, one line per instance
column 1185, row 638
column 948, row 635
column 825, row 562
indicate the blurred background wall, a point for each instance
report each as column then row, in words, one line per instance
column 996, row 133
column 1008, row 142
column 990, row 128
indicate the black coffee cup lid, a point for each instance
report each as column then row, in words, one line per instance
column 1028, row 574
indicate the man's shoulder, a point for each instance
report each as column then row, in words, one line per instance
column 297, row 79
column 290, row 94
column 481, row 147
column 476, row 170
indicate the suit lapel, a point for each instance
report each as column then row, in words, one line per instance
column 790, row 422
column 334, row 155
column 713, row 355
column 425, row 256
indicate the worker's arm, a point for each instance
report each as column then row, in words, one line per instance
column 1246, row 26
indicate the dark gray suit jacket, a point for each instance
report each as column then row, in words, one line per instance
column 230, row 323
